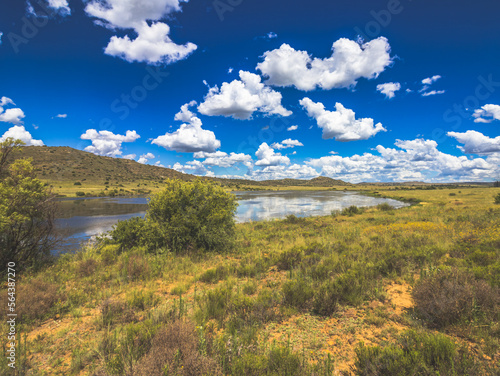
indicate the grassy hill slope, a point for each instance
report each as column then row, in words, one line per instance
column 69, row 171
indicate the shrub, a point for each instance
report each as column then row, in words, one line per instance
column 279, row 360
column 352, row 210
column 141, row 299
column 451, row 296
column 130, row 233
column 87, row 267
column 37, row 299
column 197, row 215
column 109, row 253
column 77, row 183
column 297, row 293
column 416, row 353
column 80, row 194
column 214, row 275
column 136, row 268
column 114, row 312
column 293, row 219
column 176, row 350
column 385, row 207
column 325, row 299
column 497, row 198
column 289, row 258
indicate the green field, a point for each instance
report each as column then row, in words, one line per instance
column 418, row 285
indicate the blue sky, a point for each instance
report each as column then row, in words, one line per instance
column 395, row 90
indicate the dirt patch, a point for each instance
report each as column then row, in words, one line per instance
column 339, row 335
column 400, row 297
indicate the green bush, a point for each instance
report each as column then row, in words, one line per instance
column 297, row 293
column 194, row 215
column 352, row 210
column 77, row 183
column 80, row 194
column 385, row 207
column 129, row 233
column 497, row 198
column 214, row 275
column 289, row 258
column 293, row 219
column 326, row 299
column 416, row 353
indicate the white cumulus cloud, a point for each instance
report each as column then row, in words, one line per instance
column 107, row 143
column 61, row 6
column 487, row 113
column 18, row 132
column 348, row 63
column 190, row 137
column 241, row 98
column 340, row 124
column 412, row 160
column 476, row 142
column 389, row 88
column 268, row 157
column 152, row 44
column 292, row 128
column 10, row 115
column 431, row 80
column 145, row 157
column 222, row 159
column 433, row 92
column 285, row 144
column 427, row 82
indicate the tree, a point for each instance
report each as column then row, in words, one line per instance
column 6, row 148
column 27, row 212
column 184, row 216
column 198, row 214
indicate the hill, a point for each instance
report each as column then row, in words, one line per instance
column 62, row 163
column 69, row 171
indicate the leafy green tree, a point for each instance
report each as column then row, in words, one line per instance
column 27, row 212
column 6, row 148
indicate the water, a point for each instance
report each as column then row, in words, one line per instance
column 80, row 219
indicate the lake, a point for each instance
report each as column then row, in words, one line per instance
column 80, row 219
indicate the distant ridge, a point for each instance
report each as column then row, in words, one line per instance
column 63, row 163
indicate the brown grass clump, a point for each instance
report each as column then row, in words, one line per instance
column 36, row 299
column 114, row 312
column 137, row 268
column 448, row 297
column 87, row 267
column 174, row 351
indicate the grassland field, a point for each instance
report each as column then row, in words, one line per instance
column 299, row 296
